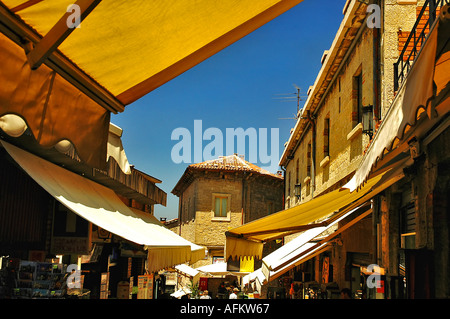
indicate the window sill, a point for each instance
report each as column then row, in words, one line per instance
column 357, row 130
column 407, row 1
column 221, row 219
column 325, row 161
column 307, row 179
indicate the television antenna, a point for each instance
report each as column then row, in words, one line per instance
column 289, row 97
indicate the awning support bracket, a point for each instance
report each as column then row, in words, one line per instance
column 23, row 35
column 58, row 33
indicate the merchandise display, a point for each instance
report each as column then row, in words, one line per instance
column 39, row 280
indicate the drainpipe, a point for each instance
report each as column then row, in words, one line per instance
column 243, row 199
column 311, row 120
column 180, row 209
column 284, row 185
column 375, row 221
column 376, row 76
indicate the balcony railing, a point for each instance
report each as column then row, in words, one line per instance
column 415, row 40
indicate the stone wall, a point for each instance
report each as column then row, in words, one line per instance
column 346, row 141
column 399, row 17
column 249, row 198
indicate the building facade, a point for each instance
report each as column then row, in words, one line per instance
column 356, row 90
column 220, row 194
column 37, row 228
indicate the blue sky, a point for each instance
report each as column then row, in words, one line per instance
column 238, row 87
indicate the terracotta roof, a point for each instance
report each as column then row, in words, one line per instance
column 232, row 163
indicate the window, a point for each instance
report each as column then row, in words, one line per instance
column 289, row 184
column 339, row 94
column 408, row 220
column 326, row 137
column 359, row 101
column 220, row 206
column 357, row 97
column 309, row 162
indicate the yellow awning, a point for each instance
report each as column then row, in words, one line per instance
column 132, row 47
column 247, row 240
column 64, row 80
column 307, row 245
column 102, row 207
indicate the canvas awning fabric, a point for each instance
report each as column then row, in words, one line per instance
column 253, row 276
column 64, row 80
column 181, row 292
column 187, row 270
column 115, row 148
column 132, row 47
column 310, row 251
column 14, row 126
column 219, row 269
column 306, row 245
column 102, row 207
column 51, row 107
column 422, row 100
column 248, row 239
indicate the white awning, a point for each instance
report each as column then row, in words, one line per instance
column 219, row 269
column 298, row 250
column 102, row 207
column 247, row 240
column 181, row 292
column 309, row 251
column 251, row 277
column 115, row 148
column 187, row 270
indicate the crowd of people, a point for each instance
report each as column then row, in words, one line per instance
column 224, row 292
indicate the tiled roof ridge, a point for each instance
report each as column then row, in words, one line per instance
column 231, row 162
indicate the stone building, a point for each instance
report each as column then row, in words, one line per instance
column 377, row 110
column 220, row 194
column 328, row 145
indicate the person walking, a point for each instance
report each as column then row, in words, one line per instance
column 233, row 295
column 205, row 295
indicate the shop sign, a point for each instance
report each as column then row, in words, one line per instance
column 145, row 287
column 325, row 269
column 171, row 279
column 70, row 245
column 380, row 287
column 131, row 288
column 203, row 284
column 104, row 285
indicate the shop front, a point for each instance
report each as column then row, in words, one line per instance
column 82, row 226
